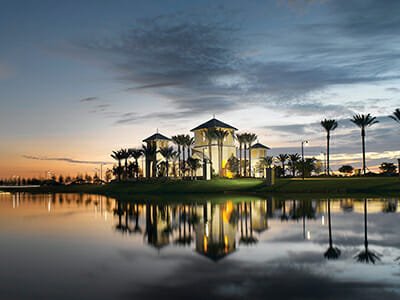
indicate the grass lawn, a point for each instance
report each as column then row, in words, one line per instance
column 337, row 186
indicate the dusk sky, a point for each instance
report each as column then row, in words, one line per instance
column 79, row 79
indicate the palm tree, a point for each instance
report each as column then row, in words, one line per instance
column 332, row 252
column 118, row 156
column 125, row 156
column 210, row 136
column 189, row 142
column 182, row 139
column 293, row 160
column 250, row 138
column 150, row 153
column 366, row 255
column 396, row 115
column 329, row 125
column 265, row 162
column 282, row 159
column 364, row 121
column 177, row 141
column 241, row 138
column 167, row 153
column 194, row 164
column 220, row 134
column 136, row 154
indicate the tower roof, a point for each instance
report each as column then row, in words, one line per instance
column 259, row 146
column 213, row 123
column 156, row 136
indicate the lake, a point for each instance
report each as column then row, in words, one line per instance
column 71, row 246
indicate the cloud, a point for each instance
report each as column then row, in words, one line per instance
column 88, row 99
column 199, row 66
column 393, row 89
column 67, row 160
column 264, row 280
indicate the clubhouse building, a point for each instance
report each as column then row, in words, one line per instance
column 208, row 152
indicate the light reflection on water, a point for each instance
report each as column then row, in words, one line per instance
column 62, row 245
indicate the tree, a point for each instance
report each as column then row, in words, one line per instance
column 194, row 164
column 189, row 142
column 233, row 165
column 346, row 169
column 209, row 134
column 308, row 166
column 241, row 138
column 108, row 175
column 293, row 161
column 250, row 139
column 265, row 162
column 282, row 158
column 136, row 154
column 329, row 125
column 220, row 134
column 396, row 115
column 177, row 140
column 363, row 121
column 125, row 156
column 167, row 153
column 118, row 156
column 150, row 153
column 388, row 168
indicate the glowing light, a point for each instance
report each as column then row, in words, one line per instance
column 207, row 231
column 323, row 220
column 308, row 235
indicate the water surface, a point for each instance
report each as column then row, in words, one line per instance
column 67, row 246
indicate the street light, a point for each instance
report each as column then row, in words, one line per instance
column 302, row 156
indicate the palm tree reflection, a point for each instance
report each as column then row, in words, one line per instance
column 332, row 252
column 248, row 237
column 366, row 256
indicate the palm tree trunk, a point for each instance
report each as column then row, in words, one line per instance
column 166, row 166
column 328, row 137
column 363, row 148
column 220, row 157
column 245, row 159
column 183, row 160
column 119, row 170
column 210, row 157
column 250, row 171
column 126, row 169
column 137, row 168
column 283, row 168
column 240, row 159
column 179, row 160
column 147, row 168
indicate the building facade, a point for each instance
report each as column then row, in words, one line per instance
column 205, row 148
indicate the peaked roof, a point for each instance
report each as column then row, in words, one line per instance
column 156, row 136
column 258, row 146
column 212, row 124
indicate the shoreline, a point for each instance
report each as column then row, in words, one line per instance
column 322, row 187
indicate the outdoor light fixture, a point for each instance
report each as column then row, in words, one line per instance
column 302, row 156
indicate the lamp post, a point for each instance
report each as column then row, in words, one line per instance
column 302, row 157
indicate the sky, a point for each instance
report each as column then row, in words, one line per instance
column 79, row 79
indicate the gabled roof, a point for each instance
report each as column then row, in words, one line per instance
column 259, row 146
column 156, row 136
column 212, row 124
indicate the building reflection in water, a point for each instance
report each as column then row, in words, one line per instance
column 214, row 230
